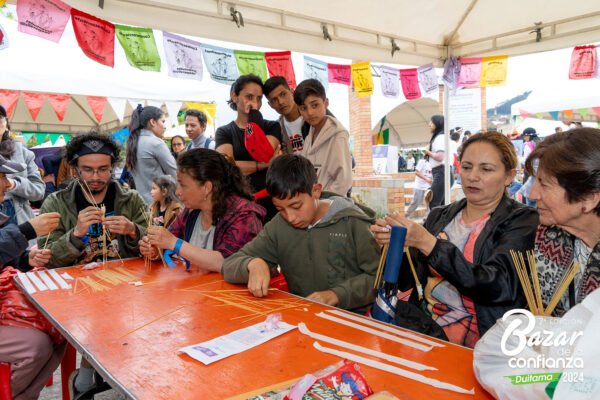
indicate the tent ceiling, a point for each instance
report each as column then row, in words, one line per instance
column 408, row 123
column 363, row 30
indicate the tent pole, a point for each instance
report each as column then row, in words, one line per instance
column 446, row 140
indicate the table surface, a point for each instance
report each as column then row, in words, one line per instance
column 132, row 334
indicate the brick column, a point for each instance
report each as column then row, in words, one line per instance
column 360, row 130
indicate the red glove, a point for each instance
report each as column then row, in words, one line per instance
column 255, row 140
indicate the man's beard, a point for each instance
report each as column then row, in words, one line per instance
column 93, row 191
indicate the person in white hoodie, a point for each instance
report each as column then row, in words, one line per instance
column 326, row 145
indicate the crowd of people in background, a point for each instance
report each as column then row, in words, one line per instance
column 264, row 198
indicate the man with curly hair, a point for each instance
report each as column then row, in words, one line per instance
column 93, row 201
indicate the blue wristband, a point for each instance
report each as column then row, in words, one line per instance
column 177, row 247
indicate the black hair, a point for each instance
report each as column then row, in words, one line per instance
column 290, row 175
column 140, row 118
column 272, row 83
column 198, row 114
column 240, row 84
column 438, row 123
column 76, row 144
column 177, row 136
column 309, row 87
column 208, row 165
column 7, row 144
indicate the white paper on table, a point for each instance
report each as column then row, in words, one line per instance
column 234, row 342
column 47, row 280
column 61, row 282
column 37, row 281
column 26, row 282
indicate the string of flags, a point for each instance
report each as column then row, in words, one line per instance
column 186, row 58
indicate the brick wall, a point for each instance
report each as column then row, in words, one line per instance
column 360, row 130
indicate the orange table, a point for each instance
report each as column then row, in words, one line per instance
column 131, row 334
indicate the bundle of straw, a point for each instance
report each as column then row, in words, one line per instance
column 527, row 272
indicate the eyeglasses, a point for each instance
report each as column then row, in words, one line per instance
column 89, row 172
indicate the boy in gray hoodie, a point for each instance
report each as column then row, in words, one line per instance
column 320, row 240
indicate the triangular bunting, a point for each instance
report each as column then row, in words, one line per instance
column 54, row 137
column 596, row 110
column 8, row 99
column 583, row 112
column 59, row 103
column 173, row 108
column 568, row 114
column 42, row 137
column 539, row 115
column 3, row 39
column 97, row 103
column 34, row 103
column 554, row 115
column 27, row 137
column 118, row 106
column 524, row 114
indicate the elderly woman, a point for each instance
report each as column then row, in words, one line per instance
column 461, row 254
column 567, row 191
column 220, row 215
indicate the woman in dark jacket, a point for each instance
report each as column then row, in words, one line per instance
column 461, row 254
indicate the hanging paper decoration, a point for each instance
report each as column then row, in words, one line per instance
column 568, row 114
column 97, row 103
column 8, row 99
column 279, row 63
column 121, row 136
column 451, row 72
column 597, row 63
column 3, row 38
column 596, row 110
column 494, row 70
column 95, row 37
column 583, row 112
column 362, row 79
column 410, row 83
column 316, row 69
column 42, row 137
column 220, row 63
column 34, row 102
column 118, row 106
column 524, row 114
column 251, row 62
column 27, row 137
column 339, row 73
column 43, row 18
column 59, row 103
column 139, row 46
column 583, row 62
column 428, row 78
column 184, row 57
column 390, row 81
column 470, row 72
column 553, row 115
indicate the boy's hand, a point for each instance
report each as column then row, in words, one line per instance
column 259, row 277
column 381, row 231
column 325, row 297
column 39, row 258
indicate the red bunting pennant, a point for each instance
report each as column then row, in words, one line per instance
column 279, row 63
column 98, row 103
column 339, row 73
column 95, row 37
column 8, row 99
column 524, row 114
column 596, row 110
column 583, row 62
column 410, row 83
column 59, row 103
column 34, row 102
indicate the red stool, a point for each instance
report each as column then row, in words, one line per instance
column 5, row 392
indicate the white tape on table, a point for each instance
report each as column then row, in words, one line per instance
column 384, row 327
column 37, row 281
column 61, row 282
column 350, row 346
column 363, row 328
column 393, row 369
column 47, row 280
column 26, row 283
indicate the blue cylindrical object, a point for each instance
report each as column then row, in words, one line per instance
column 395, row 254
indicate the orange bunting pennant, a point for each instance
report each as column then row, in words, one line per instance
column 568, row 114
column 34, row 102
column 97, row 103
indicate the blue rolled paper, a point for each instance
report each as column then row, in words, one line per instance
column 394, row 255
